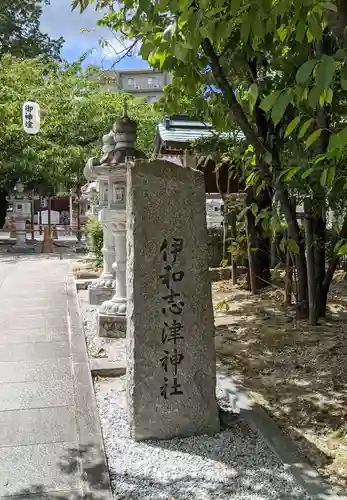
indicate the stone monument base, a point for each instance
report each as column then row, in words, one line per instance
column 113, row 326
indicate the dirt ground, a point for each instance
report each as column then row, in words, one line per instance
column 297, row 372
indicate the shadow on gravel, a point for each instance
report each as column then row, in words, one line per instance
column 88, row 466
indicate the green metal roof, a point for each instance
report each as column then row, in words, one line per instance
column 184, row 131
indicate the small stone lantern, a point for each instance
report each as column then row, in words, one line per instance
column 112, row 313
column 103, row 288
column 21, row 213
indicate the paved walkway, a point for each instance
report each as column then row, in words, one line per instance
column 50, row 441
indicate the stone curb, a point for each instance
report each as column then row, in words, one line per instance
column 104, row 367
column 93, row 462
column 258, row 420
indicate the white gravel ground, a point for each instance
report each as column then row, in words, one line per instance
column 234, row 465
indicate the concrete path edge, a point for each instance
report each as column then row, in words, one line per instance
column 92, row 457
column 282, row 446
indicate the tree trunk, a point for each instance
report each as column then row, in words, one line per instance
column 3, row 207
column 261, row 242
column 310, row 255
column 249, row 222
column 300, row 258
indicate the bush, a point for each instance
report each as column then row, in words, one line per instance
column 94, row 236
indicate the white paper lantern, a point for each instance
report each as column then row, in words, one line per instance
column 31, row 117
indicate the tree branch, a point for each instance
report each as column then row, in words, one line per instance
column 234, row 105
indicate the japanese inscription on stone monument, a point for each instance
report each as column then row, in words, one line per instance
column 172, row 309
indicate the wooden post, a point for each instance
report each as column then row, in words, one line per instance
column 233, row 236
column 49, row 218
column 32, row 220
column 288, row 279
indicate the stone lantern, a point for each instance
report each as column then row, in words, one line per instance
column 103, row 288
column 21, row 213
column 112, row 313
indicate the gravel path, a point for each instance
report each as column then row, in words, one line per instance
column 234, row 465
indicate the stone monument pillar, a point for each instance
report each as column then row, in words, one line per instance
column 22, row 213
column 112, row 313
column 103, row 288
column 171, row 365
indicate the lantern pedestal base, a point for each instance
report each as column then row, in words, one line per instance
column 98, row 294
column 113, row 326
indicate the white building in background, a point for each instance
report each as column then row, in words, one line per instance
column 147, row 83
column 214, row 214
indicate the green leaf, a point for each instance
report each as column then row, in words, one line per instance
column 292, row 246
column 268, row 102
column 260, row 188
column 250, row 178
column 245, row 30
column 325, row 72
column 319, row 158
column 315, row 26
column 342, row 249
column 280, row 107
column 305, row 128
column 305, row 71
column 282, row 32
column 146, row 49
column 254, row 208
column 307, row 173
column 343, row 77
column 300, row 31
column 291, row 172
column 292, row 126
column 253, row 93
column 312, row 138
column 330, row 176
column 338, row 141
column 314, row 96
column 323, row 178
column 340, row 55
column 329, row 95
column 329, row 6
column 235, row 6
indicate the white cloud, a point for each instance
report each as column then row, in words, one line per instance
column 58, row 20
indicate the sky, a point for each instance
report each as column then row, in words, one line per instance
column 58, row 20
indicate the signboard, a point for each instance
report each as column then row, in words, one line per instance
column 31, row 117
